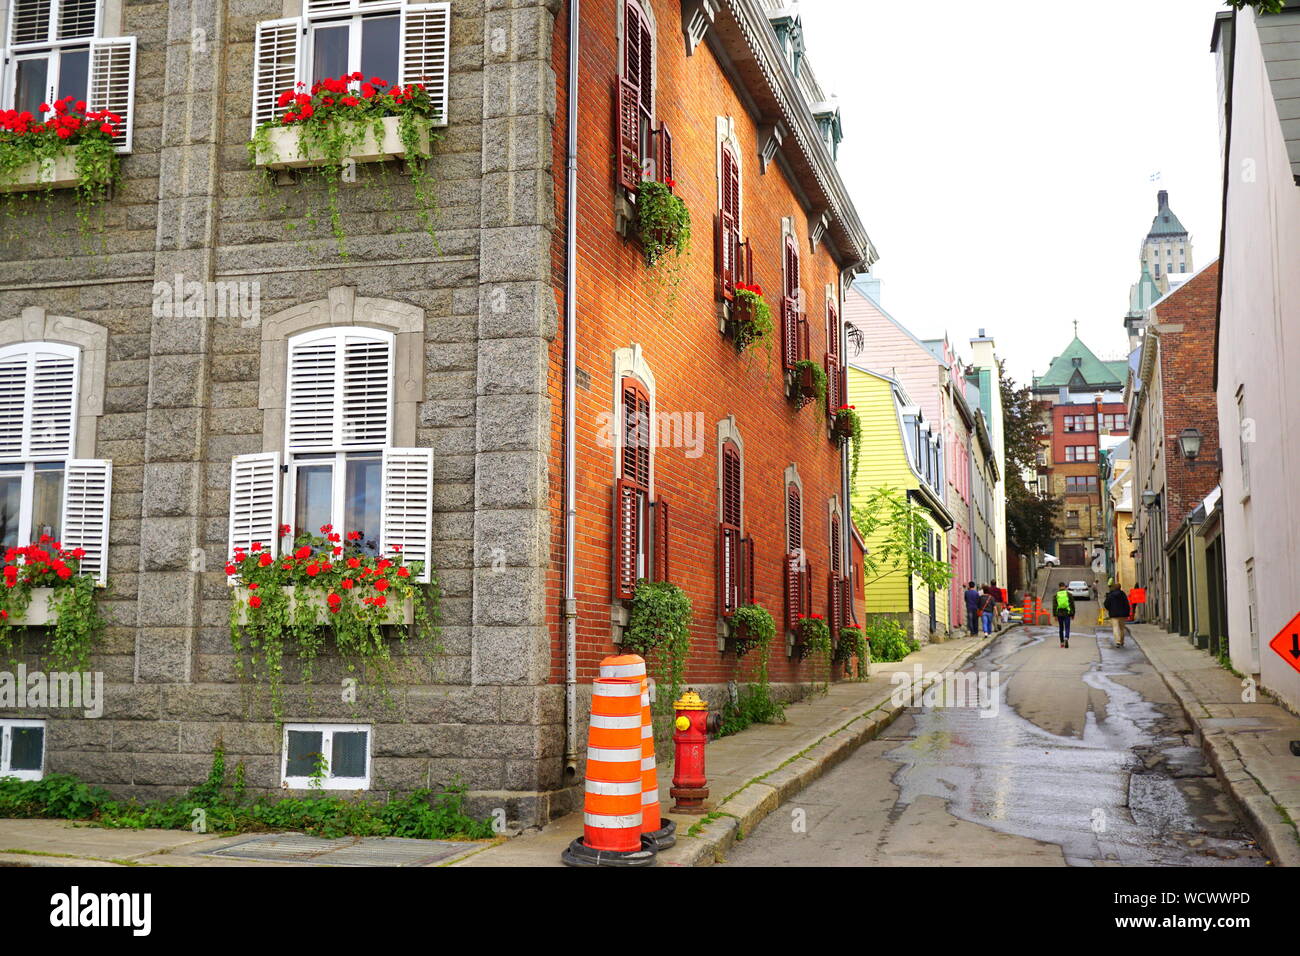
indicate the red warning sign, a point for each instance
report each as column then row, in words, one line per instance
column 1287, row 643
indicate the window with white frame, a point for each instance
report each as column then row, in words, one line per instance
column 326, row 757
column 22, row 748
column 45, row 490
column 338, row 467
column 398, row 42
column 55, row 49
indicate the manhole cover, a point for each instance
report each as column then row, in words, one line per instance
column 344, row 851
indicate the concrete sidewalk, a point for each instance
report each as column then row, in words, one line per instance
column 750, row 775
column 1247, row 743
column 754, row 772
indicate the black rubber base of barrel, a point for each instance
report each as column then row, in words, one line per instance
column 579, row 854
column 664, row 837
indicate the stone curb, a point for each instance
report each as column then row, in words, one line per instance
column 740, row 812
column 1280, row 840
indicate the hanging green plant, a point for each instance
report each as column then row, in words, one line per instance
column 345, row 121
column 662, row 220
column 660, row 624
column 43, row 586
column 848, row 426
column 852, row 646
column 326, row 587
column 814, row 634
column 69, row 149
column 755, row 630
column 810, row 382
column 752, row 318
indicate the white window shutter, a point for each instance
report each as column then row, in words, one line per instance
column 38, row 401
column 29, row 21
column 87, row 497
column 77, row 18
column 112, row 83
column 366, row 390
column 276, row 55
column 406, row 517
column 255, row 501
column 426, row 52
column 339, row 390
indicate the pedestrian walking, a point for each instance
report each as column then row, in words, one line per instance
column 1063, row 608
column 986, row 612
column 972, row 609
column 1119, row 609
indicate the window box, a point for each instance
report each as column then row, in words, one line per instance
column 38, row 612
column 55, row 172
column 285, row 148
column 403, row 613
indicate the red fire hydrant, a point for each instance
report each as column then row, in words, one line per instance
column 692, row 728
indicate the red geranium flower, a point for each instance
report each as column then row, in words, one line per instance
column 255, row 601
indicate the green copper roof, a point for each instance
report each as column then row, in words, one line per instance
column 1145, row 292
column 1165, row 224
column 1090, row 372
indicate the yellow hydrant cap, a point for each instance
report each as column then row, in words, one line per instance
column 690, row 701
column 683, row 723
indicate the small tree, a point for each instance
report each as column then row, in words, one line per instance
column 896, row 529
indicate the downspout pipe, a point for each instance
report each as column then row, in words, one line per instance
column 570, row 609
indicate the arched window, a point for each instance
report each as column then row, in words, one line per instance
column 641, row 525
column 45, row 490
column 793, row 328
column 734, row 258
column 798, row 571
column 835, row 387
column 340, row 468
column 646, row 150
column 735, row 566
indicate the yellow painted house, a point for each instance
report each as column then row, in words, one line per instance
column 901, row 450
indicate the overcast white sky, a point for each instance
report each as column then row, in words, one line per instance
column 1000, row 156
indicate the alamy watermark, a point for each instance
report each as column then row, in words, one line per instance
column 74, row 690
column 660, row 430
column 181, row 299
column 961, row 689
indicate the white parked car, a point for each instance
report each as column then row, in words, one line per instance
column 1079, row 589
column 1051, row 560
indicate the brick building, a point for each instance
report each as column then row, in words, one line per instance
column 1082, row 397
column 1168, row 422
column 188, row 431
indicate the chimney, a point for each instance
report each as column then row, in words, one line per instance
column 1162, row 199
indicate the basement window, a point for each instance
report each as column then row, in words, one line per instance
column 326, row 757
column 22, row 749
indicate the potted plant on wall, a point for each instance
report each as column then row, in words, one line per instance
column 809, row 382
column 812, row 635
column 70, row 149
column 43, row 587
column 663, row 221
column 751, row 318
column 848, row 427
column 346, row 120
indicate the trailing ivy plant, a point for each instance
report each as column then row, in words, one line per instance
column 1263, row 6
column 851, row 646
column 847, row 417
column 818, row 382
column 64, row 128
column 662, row 220
column 753, row 318
column 333, row 119
column 660, row 625
column 754, row 704
column 77, row 621
column 342, row 591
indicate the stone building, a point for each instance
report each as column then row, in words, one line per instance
column 236, row 367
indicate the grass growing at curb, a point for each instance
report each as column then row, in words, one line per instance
column 217, row 808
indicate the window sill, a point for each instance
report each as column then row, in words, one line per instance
column 286, row 150
column 56, row 172
column 395, row 614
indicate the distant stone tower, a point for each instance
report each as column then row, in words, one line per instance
column 1167, row 248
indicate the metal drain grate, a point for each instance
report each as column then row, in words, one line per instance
column 344, row 851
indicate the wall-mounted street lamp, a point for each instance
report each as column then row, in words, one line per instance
column 1189, row 443
column 1150, row 499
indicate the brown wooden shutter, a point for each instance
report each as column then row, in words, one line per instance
column 664, row 154
column 834, row 397
column 834, row 605
column 747, row 569
column 636, row 434
column 661, row 544
column 790, row 320
column 835, row 544
column 729, row 544
column 805, row 589
column 627, row 123
column 794, row 519
column 645, row 78
column 793, row 578
column 747, row 261
column 627, row 537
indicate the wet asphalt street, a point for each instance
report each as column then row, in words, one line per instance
column 1075, row 757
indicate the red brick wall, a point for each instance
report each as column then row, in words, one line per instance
column 1186, row 370
column 674, row 319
